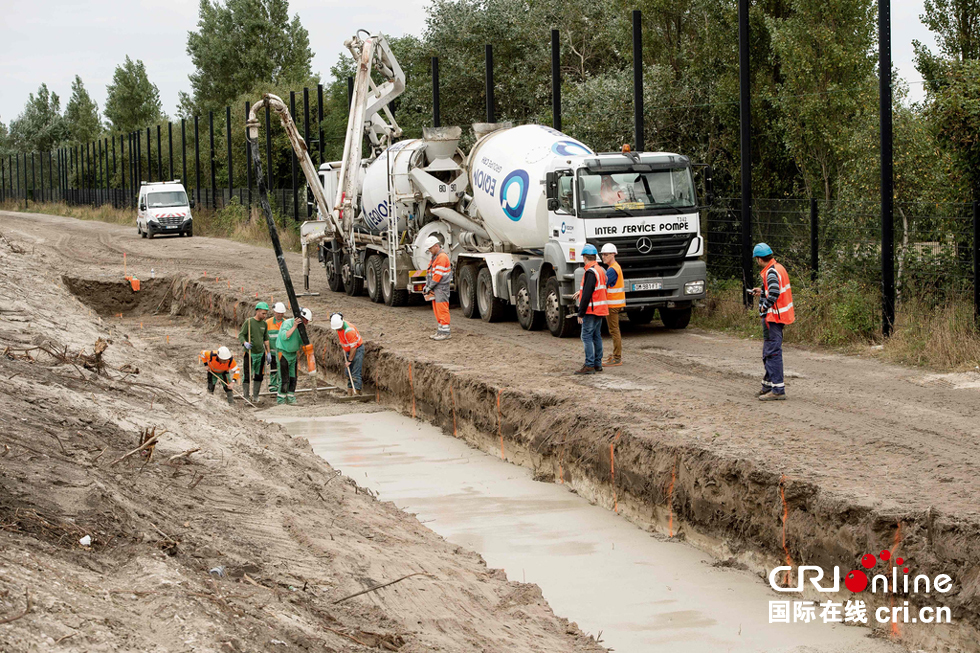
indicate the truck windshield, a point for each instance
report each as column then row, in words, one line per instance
column 166, row 198
column 637, row 192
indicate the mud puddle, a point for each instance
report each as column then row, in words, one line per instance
column 593, row 567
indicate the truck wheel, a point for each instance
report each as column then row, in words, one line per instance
column 555, row 314
column 640, row 316
column 334, row 281
column 529, row 320
column 491, row 308
column 354, row 286
column 392, row 296
column 675, row 318
column 466, row 289
column 373, row 278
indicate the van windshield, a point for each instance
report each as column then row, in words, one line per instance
column 636, row 191
column 165, row 199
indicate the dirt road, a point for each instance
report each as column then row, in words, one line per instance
column 861, row 446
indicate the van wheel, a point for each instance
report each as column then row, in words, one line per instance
column 392, row 296
column 675, row 318
column 492, row 309
column 466, row 289
column 559, row 324
column 149, row 233
column 372, row 279
column 529, row 320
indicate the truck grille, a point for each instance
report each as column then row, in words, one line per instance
column 665, row 258
column 171, row 221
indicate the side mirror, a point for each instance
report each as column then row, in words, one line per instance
column 142, row 206
column 551, row 189
column 192, row 202
column 553, row 204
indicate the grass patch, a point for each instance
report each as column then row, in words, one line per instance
column 846, row 316
column 231, row 222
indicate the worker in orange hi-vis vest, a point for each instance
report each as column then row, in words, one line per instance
column 437, row 280
column 616, row 296
column 353, row 346
column 221, row 368
column 775, row 311
column 593, row 306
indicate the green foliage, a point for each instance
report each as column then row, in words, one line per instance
column 955, row 111
column 240, row 45
column 82, row 119
column 132, row 101
column 40, row 126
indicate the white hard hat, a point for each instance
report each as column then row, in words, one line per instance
column 306, row 314
column 609, row 248
column 432, row 241
column 279, row 308
column 224, row 353
column 336, row 321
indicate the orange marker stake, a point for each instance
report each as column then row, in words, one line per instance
column 141, row 326
column 168, row 338
column 500, row 432
column 229, row 284
column 452, row 393
column 411, row 385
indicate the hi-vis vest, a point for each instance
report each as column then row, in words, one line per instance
column 782, row 312
column 600, row 301
column 349, row 337
column 218, row 366
column 273, row 327
column 616, row 293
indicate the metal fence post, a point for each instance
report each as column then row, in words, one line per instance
column 17, row 161
column 170, row 147
column 292, row 158
column 122, row 171
column 814, row 241
column 555, row 80
column 160, row 156
column 319, row 123
column 214, row 182
column 745, row 137
column 183, row 153
column 115, row 195
column 231, row 167
column 149, row 155
column 491, row 109
column 3, row 180
column 639, row 137
column 33, row 180
column 197, row 160
column 105, row 177
column 976, row 262
column 436, row 118
column 41, row 156
column 887, row 179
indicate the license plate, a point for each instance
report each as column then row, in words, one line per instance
column 654, row 285
column 172, row 226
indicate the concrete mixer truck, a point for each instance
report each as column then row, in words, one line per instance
column 514, row 213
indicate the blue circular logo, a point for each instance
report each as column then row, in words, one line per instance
column 569, row 148
column 513, row 194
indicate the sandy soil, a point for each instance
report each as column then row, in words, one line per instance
column 864, row 453
column 245, row 544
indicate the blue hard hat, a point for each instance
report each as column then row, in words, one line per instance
column 590, row 250
column 761, row 250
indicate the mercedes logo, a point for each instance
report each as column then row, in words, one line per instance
column 644, row 245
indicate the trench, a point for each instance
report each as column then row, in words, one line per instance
column 730, row 509
column 640, row 591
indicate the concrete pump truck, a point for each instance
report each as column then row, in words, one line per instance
column 514, row 212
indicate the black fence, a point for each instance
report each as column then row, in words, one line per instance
column 935, row 250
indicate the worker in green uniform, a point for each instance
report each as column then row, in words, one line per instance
column 288, row 343
column 254, row 337
column 274, row 323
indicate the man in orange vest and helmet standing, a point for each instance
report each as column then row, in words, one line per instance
column 593, row 306
column 437, row 280
column 353, row 346
column 616, row 296
column 776, row 311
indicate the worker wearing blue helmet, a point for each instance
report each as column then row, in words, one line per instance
column 775, row 311
column 593, row 306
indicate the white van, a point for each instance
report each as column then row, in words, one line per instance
column 164, row 209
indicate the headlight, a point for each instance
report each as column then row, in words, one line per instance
column 153, row 219
column 694, row 287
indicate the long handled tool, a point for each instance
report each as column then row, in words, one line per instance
column 243, row 397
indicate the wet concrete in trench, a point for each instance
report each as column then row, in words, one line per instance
column 594, row 568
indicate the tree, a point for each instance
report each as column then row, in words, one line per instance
column 132, row 101
column 955, row 111
column 956, row 24
column 240, row 45
column 40, row 126
column 82, row 120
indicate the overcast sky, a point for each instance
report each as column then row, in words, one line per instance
column 53, row 40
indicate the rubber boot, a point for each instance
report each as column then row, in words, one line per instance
column 280, row 399
column 231, row 399
column 255, row 393
column 291, row 399
column 245, row 390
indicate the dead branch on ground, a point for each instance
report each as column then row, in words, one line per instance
column 377, row 587
column 27, row 609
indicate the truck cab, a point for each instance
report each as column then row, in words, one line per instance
column 646, row 204
column 163, row 208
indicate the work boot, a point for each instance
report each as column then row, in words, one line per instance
column 761, row 392
column 245, row 390
column 291, row 399
column 586, row 370
column 255, row 393
column 350, row 392
column 441, row 335
column 771, row 396
column 231, row 399
column 598, row 368
column 280, row 399
column 613, row 361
